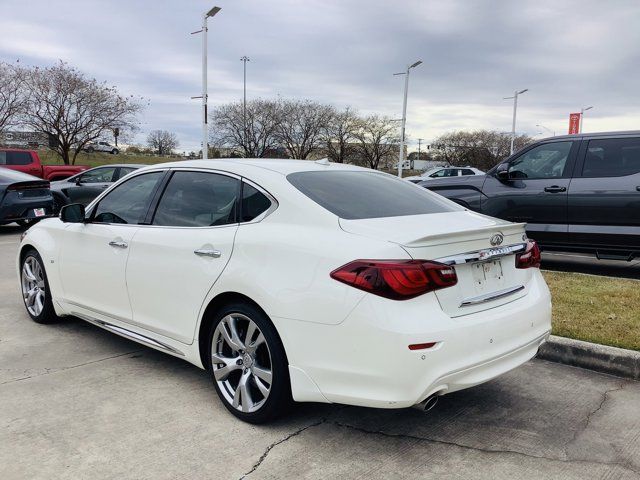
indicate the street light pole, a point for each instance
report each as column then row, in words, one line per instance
column 244, row 60
column 204, row 96
column 404, row 115
column 582, row 110
column 515, row 108
column 419, row 144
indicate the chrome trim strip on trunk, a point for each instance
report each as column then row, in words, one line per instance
column 491, row 296
column 123, row 332
column 482, row 255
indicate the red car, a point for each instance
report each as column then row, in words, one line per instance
column 28, row 161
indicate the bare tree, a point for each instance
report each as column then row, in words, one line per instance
column 377, row 140
column 300, row 126
column 162, row 141
column 62, row 102
column 338, row 134
column 228, row 129
column 11, row 94
column 480, row 148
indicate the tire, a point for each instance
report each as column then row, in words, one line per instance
column 258, row 393
column 36, row 293
column 115, row 151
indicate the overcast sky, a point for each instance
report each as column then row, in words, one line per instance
column 568, row 53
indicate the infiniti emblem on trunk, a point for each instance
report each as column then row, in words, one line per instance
column 497, row 239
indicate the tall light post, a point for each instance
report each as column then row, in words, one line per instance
column 205, row 125
column 547, row 129
column 515, row 108
column 404, row 115
column 582, row 110
column 419, row 145
column 244, row 60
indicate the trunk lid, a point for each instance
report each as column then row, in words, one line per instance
column 487, row 277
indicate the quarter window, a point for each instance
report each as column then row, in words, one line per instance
column 128, row 202
column 254, row 202
column 198, row 199
column 615, row 157
column 544, row 161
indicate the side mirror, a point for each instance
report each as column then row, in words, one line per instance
column 502, row 172
column 73, row 213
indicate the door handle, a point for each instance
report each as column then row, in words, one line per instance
column 638, row 188
column 555, row 189
column 208, row 253
column 113, row 243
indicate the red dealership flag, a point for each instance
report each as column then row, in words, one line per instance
column 574, row 123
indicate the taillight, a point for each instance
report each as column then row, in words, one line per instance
column 530, row 257
column 396, row 279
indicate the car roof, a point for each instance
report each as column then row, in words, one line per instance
column 580, row 136
column 129, row 165
column 278, row 165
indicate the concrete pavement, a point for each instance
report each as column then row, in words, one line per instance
column 79, row 402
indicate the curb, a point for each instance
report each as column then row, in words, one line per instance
column 600, row 358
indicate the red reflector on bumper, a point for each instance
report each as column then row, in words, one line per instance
column 421, row 346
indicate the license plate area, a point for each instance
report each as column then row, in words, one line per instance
column 487, row 276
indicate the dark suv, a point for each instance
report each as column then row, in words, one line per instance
column 578, row 193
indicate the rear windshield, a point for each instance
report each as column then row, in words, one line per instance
column 355, row 195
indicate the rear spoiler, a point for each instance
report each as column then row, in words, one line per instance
column 505, row 229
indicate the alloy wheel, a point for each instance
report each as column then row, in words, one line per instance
column 241, row 362
column 33, row 286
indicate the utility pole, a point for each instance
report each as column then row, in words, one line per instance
column 419, row 143
column 205, row 125
column 244, row 60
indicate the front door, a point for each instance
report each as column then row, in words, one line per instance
column 175, row 261
column 90, row 184
column 536, row 191
column 94, row 254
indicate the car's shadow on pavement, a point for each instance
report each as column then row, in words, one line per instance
column 11, row 229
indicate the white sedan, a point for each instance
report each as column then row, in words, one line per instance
column 295, row 280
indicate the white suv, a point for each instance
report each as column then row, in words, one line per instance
column 102, row 147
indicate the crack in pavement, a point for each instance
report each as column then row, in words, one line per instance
column 50, row 371
column 435, row 441
column 275, row 444
column 605, row 397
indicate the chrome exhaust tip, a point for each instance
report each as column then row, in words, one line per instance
column 427, row 404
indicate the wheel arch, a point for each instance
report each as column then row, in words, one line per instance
column 214, row 305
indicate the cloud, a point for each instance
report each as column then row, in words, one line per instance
column 568, row 54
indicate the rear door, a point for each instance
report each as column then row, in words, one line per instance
column 175, row 261
column 604, row 196
column 536, row 192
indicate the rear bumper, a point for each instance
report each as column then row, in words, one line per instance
column 22, row 209
column 366, row 360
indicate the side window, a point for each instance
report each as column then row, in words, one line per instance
column 254, row 202
column 544, row 161
column 128, row 203
column 439, row 173
column 198, row 199
column 615, row 157
column 3, row 158
column 467, row 171
column 99, row 175
column 18, row 158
